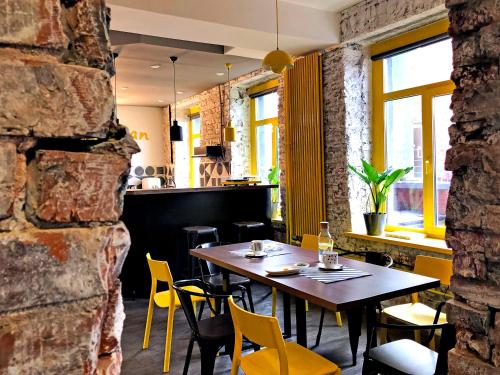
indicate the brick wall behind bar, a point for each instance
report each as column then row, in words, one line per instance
column 473, row 211
column 63, row 166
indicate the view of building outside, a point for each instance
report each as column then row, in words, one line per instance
column 404, row 134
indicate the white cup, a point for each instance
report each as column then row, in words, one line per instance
column 330, row 259
column 257, row 246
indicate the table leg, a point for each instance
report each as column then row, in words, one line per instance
column 287, row 320
column 300, row 321
column 371, row 342
column 354, row 320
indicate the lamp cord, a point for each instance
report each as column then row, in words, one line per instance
column 277, row 30
column 175, row 96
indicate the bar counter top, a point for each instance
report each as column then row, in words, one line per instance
column 198, row 190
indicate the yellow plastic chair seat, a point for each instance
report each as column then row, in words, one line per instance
column 162, row 299
column 300, row 361
column 414, row 313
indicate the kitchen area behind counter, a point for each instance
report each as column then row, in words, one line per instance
column 155, row 219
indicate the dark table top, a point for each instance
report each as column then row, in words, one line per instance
column 383, row 283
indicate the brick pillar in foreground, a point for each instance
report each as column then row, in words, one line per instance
column 473, row 213
column 63, row 167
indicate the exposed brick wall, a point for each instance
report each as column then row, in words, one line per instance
column 371, row 20
column 473, row 212
column 63, row 168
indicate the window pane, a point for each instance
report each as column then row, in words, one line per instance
column 266, row 106
column 403, row 124
column 196, row 163
column 421, row 66
column 264, row 150
column 441, row 114
column 195, row 123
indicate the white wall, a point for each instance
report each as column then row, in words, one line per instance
column 145, row 124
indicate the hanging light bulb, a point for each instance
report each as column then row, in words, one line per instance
column 175, row 129
column 229, row 131
column 277, row 60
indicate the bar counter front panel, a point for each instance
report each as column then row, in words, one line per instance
column 155, row 219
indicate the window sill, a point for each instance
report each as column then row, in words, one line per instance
column 422, row 243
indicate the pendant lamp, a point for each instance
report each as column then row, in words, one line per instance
column 229, row 131
column 277, row 60
column 175, row 129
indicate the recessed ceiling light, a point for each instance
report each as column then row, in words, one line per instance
column 155, row 66
column 180, row 92
column 219, row 74
column 161, row 101
column 124, row 88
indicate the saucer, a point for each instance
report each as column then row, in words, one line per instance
column 336, row 267
column 258, row 254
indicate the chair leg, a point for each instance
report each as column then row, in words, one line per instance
column 200, row 313
column 149, row 318
column 339, row 318
column 307, row 306
column 168, row 339
column 188, row 356
column 274, row 293
column 320, row 328
column 208, row 356
column 249, row 296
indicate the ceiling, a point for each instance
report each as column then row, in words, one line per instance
column 195, row 72
column 205, row 35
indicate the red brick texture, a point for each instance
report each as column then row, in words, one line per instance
column 63, row 167
column 67, row 187
column 473, row 211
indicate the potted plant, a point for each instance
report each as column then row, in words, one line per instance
column 274, row 179
column 379, row 185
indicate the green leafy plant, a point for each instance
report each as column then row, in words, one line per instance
column 379, row 183
column 274, row 179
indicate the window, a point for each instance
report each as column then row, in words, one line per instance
column 411, row 116
column 194, row 141
column 264, row 129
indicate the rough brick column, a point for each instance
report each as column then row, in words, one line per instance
column 63, row 165
column 473, row 212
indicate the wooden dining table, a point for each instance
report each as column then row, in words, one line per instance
column 353, row 295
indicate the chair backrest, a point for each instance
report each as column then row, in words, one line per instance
column 160, row 270
column 186, row 301
column 208, row 268
column 437, row 268
column 259, row 329
column 309, row 241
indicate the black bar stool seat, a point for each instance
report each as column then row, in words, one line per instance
column 196, row 235
column 248, row 230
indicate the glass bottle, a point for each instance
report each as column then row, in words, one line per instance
column 325, row 242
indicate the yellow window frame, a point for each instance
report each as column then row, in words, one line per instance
column 254, row 124
column 193, row 112
column 426, row 92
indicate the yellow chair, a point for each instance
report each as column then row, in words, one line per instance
column 160, row 271
column 417, row 313
column 278, row 357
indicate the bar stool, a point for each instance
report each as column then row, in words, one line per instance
column 248, row 230
column 196, row 235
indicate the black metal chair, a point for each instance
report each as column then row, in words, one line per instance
column 372, row 257
column 211, row 274
column 212, row 333
column 407, row 356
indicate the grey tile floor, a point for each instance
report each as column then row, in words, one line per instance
column 334, row 343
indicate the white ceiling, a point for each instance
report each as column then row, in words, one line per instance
column 244, row 29
column 330, row 5
column 195, row 72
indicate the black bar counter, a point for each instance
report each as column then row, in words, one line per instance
column 155, row 219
